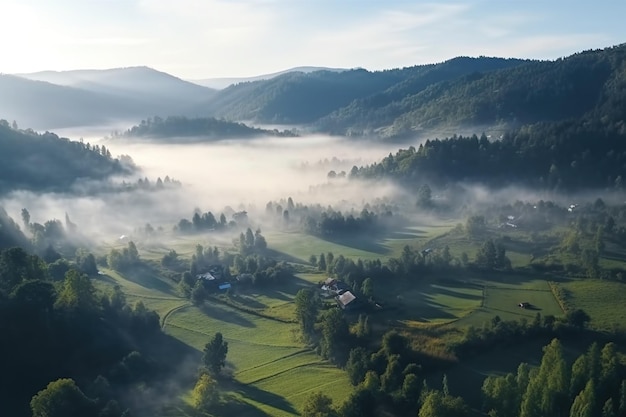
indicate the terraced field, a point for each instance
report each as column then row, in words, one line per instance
column 264, row 354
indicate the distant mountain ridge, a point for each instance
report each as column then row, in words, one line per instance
column 220, row 83
column 48, row 99
column 305, row 98
column 124, row 81
column 460, row 94
column 464, row 94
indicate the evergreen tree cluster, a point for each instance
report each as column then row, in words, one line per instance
column 593, row 385
column 567, row 156
column 196, row 129
column 69, row 349
column 46, row 162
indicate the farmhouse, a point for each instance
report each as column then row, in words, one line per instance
column 346, row 300
column 214, row 279
column 331, row 286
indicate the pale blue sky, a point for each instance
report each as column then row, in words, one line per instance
column 196, row 39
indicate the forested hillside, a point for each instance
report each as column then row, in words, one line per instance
column 45, row 162
column 69, row 350
column 457, row 94
column 306, row 97
column 195, row 129
column 587, row 83
column 571, row 155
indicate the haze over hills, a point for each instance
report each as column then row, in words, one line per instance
column 459, row 93
column 463, row 93
column 48, row 100
column 45, row 162
column 220, row 83
column 305, row 98
column 131, row 81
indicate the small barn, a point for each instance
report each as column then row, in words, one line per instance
column 346, row 301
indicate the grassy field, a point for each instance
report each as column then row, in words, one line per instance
column 299, row 246
column 273, row 371
column 602, row 300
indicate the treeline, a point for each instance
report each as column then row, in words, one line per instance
column 207, row 222
column 197, row 129
column 565, row 156
column 499, row 333
column 46, row 162
column 146, row 184
column 69, row 349
column 594, row 385
column 328, row 222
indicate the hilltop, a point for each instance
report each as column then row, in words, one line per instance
column 46, row 162
column 49, row 99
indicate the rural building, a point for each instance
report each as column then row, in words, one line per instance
column 346, row 301
column 333, row 287
column 214, row 279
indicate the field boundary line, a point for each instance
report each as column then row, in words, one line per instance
column 231, row 338
column 253, row 312
column 286, row 370
column 557, row 292
column 275, row 360
column 172, row 311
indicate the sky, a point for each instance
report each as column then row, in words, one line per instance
column 198, row 39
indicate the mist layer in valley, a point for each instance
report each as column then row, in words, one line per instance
column 225, row 176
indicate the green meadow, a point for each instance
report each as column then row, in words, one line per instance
column 273, row 370
column 602, row 300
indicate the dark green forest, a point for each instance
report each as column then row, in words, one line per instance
column 460, row 93
column 566, row 156
column 82, row 352
column 306, row 97
column 46, row 162
column 196, row 129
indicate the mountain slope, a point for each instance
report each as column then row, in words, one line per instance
column 584, row 83
column 305, row 98
column 50, row 100
column 382, row 108
column 41, row 105
column 128, row 82
column 223, row 82
column 30, row 161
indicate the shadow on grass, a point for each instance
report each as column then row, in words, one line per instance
column 147, row 277
column 538, row 249
column 249, row 302
column 232, row 406
column 282, row 256
column 367, row 243
column 263, row 397
column 226, row 315
column 410, row 234
column 456, row 294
